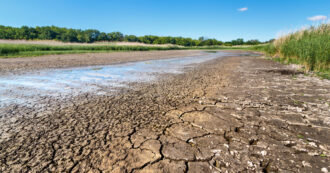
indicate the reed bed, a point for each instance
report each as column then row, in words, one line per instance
column 309, row 47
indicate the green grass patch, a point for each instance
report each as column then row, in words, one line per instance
column 25, row 50
column 300, row 136
column 324, row 74
column 31, row 50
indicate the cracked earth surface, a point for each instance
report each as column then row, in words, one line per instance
column 236, row 114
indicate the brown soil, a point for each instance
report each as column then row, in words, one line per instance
column 234, row 114
column 9, row 65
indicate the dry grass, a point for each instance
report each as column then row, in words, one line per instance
column 60, row 43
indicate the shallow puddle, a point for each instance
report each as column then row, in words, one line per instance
column 30, row 87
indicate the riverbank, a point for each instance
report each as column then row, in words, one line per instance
column 239, row 113
column 17, row 49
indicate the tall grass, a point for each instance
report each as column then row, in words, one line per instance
column 16, row 50
column 309, row 47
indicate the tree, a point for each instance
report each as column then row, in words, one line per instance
column 131, row 38
column 201, row 38
column 92, row 35
column 69, row 36
column 45, row 33
column 252, row 42
column 116, row 36
column 102, row 37
column 238, row 41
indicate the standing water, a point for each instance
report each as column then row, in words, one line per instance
column 61, row 83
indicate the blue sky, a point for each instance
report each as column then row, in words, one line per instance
column 220, row 19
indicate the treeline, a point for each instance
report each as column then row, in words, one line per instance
column 92, row 35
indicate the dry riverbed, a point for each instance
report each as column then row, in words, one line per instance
column 13, row 65
column 238, row 113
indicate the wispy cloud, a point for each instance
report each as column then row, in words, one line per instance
column 242, row 9
column 317, row 18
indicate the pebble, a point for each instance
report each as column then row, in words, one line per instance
column 263, row 153
column 312, row 144
column 250, row 164
column 324, row 170
column 306, row 164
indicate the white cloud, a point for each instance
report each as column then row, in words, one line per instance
column 317, row 18
column 242, row 9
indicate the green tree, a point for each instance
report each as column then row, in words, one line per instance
column 116, row 36
column 102, row 37
column 69, row 36
column 238, row 41
column 131, row 38
column 252, row 42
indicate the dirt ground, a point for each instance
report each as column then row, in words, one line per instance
column 236, row 114
column 14, row 65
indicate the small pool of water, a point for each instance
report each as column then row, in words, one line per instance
column 28, row 87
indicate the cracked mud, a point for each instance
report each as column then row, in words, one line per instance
column 234, row 114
